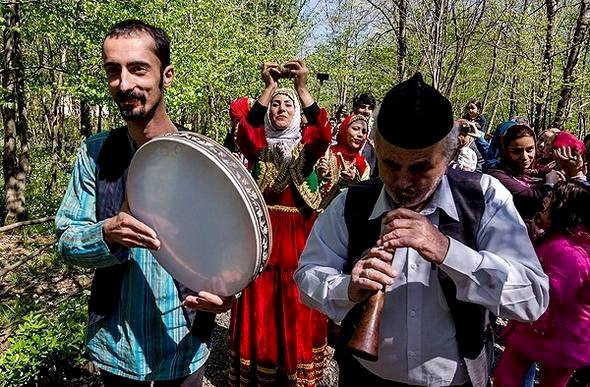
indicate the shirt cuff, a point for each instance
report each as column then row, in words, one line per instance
column 460, row 261
column 338, row 295
column 116, row 250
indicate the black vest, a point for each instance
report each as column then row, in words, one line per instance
column 469, row 319
column 112, row 164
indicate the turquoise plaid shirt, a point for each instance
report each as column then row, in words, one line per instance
column 147, row 337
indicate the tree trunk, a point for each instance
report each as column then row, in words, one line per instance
column 438, row 29
column 484, row 100
column 211, row 112
column 99, row 119
column 581, row 121
column 513, row 110
column 492, row 121
column 569, row 76
column 15, row 164
column 52, row 114
column 85, row 119
column 402, row 44
column 542, row 96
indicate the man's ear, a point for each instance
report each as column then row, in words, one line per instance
column 168, row 75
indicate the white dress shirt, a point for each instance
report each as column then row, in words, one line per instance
column 417, row 336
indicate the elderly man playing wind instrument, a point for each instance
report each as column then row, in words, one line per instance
column 447, row 248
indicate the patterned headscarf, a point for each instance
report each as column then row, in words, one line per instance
column 282, row 142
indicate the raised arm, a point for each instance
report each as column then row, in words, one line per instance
column 318, row 133
column 250, row 137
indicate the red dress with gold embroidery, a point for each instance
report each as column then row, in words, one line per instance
column 275, row 340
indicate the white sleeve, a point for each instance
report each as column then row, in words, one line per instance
column 504, row 274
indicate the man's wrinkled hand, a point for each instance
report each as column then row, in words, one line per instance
column 371, row 273
column 407, row 228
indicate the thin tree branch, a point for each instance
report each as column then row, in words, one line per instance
column 27, row 223
column 10, row 268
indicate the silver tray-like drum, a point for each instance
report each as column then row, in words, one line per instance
column 206, row 209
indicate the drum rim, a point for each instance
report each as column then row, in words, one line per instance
column 243, row 182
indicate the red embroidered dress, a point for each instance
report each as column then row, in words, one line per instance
column 275, row 340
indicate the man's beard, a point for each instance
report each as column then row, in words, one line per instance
column 409, row 200
column 413, row 199
column 130, row 112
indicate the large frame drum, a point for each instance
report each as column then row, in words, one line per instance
column 206, row 209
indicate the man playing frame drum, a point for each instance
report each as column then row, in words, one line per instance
column 142, row 325
column 446, row 248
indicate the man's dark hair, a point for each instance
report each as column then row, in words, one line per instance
column 363, row 99
column 586, row 138
column 133, row 27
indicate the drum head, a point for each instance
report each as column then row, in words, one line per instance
column 209, row 231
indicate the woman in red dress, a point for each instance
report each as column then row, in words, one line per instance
column 343, row 164
column 274, row 339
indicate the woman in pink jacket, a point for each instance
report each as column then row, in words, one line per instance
column 560, row 340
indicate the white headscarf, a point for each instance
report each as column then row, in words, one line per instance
column 282, row 141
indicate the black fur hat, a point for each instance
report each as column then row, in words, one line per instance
column 414, row 115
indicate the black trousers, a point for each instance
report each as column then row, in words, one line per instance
column 353, row 374
column 193, row 380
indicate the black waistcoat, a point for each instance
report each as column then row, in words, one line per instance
column 469, row 319
column 111, row 174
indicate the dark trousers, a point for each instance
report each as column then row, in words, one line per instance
column 193, row 380
column 353, row 374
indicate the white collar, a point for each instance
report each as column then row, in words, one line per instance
column 442, row 198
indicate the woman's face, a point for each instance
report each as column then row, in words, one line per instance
column 356, row 134
column 282, row 110
column 521, row 152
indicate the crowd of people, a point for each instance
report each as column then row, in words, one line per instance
column 411, row 201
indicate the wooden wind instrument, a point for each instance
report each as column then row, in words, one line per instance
column 364, row 342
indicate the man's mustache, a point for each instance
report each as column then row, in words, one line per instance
column 121, row 96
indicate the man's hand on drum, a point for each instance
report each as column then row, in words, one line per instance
column 126, row 230
column 371, row 273
column 209, row 302
column 407, row 228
